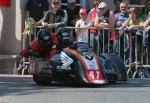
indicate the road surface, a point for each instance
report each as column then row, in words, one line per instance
column 21, row 89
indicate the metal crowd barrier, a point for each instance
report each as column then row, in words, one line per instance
column 130, row 47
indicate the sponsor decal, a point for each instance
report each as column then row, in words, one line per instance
column 65, row 34
column 66, row 62
column 88, row 55
column 65, row 59
column 91, row 64
column 63, row 68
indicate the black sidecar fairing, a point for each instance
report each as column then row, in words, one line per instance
column 106, row 63
column 113, row 65
column 65, row 67
column 89, row 62
column 80, row 64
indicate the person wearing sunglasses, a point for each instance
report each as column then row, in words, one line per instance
column 123, row 15
column 105, row 19
column 55, row 17
column 120, row 18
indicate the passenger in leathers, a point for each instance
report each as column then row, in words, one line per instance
column 48, row 44
column 43, row 46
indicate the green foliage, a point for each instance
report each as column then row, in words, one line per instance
column 29, row 25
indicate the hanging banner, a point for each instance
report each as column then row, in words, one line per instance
column 5, row 3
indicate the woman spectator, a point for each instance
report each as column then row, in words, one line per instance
column 134, row 21
column 135, row 25
column 93, row 31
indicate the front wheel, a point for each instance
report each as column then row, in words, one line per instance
column 42, row 78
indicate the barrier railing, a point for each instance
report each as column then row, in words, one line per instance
column 128, row 44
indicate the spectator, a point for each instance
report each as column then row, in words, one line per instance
column 117, row 5
column 73, row 12
column 135, row 26
column 91, row 17
column 104, row 19
column 55, row 17
column 82, row 34
column 36, row 9
column 123, row 15
column 146, row 15
column 134, row 21
column 146, row 24
column 120, row 18
column 146, row 10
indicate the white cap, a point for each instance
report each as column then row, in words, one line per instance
column 102, row 5
column 71, row 1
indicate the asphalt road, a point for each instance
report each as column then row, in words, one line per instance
column 21, row 89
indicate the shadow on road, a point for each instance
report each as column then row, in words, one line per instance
column 25, row 85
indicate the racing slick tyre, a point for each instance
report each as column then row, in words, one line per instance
column 41, row 71
column 121, row 67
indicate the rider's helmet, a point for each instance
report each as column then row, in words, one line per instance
column 64, row 36
column 45, row 38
